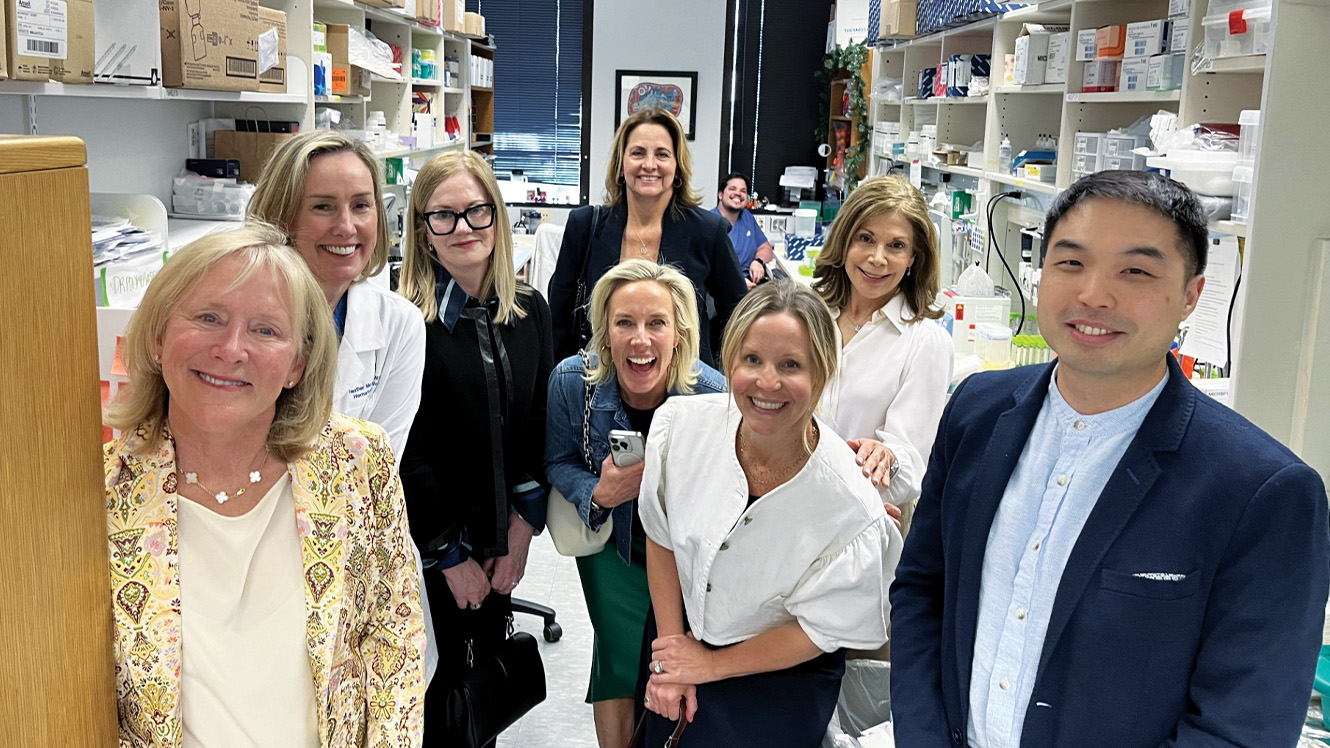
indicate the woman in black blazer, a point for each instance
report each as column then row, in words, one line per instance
column 651, row 212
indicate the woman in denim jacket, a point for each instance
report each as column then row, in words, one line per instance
column 643, row 349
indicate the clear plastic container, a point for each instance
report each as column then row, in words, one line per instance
column 1121, row 145
column 1205, row 172
column 1242, row 183
column 1224, row 7
column 804, row 223
column 1129, row 162
column 1086, row 162
column 1250, row 122
column 1090, row 142
column 992, row 343
column 1220, row 43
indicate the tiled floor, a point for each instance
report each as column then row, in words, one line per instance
column 564, row 719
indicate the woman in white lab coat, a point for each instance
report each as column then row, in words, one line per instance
column 324, row 190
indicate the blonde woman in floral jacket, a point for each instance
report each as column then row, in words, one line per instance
column 263, row 585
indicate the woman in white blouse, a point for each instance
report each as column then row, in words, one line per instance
column 878, row 271
column 768, row 553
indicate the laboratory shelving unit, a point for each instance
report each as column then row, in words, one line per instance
column 1281, row 317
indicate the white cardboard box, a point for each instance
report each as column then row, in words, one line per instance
column 1032, row 53
column 1085, row 45
column 1177, row 8
column 1178, row 35
column 1165, row 72
column 851, row 24
column 1146, row 39
column 1132, row 75
column 125, row 36
column 1059, row 57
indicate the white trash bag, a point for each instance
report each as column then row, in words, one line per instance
column 862, row 710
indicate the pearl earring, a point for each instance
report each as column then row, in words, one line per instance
column 291, row 384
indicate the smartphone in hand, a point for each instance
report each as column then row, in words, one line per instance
column 627, row 447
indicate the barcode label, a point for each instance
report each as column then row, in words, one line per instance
column 44, row 48
column 241, row 67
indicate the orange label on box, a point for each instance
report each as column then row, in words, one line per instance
column 339, row 82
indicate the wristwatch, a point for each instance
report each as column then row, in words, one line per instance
column 891, row 471
column 597, row 507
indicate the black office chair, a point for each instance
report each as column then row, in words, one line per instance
column 553, row 631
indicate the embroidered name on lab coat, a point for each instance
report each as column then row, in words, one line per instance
column 358, row 392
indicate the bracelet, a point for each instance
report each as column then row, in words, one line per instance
column 895, row 467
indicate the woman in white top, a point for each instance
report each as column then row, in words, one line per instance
column 878, row 271
column 324, row 189
column 767, row 552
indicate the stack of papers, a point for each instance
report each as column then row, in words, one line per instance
column 114, row 238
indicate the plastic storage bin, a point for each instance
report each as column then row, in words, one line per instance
column 1224, row 7
column 1242, row 183
column 1250, row 122
column 1219, row 42
column 1129, row 162
column 1086, row 162
column 1121, row 145
column 1090, row 142
column 1206, row 172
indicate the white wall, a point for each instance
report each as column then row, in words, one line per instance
column 647, row 35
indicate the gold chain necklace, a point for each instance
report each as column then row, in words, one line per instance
column 255, row 476
column 643, row 244
column 773, row 476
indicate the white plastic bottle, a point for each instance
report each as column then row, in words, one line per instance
column 1004, row 156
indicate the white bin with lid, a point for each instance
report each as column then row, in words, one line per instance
column 1205, row 172
column 1221, row 42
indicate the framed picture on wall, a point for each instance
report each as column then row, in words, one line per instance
column 642, row 89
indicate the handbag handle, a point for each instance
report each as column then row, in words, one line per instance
column 640, row 732
column 586, row 417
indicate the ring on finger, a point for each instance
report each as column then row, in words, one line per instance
column 646, row 700
column 657, row 667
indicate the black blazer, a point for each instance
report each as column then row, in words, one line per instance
column 1222, row 655
column 451, row 475
column 695, row 241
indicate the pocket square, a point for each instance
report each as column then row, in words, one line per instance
column 1160, row 576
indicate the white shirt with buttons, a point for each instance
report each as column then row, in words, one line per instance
column 818, row 549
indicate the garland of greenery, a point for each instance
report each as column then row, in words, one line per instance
column 849, row 60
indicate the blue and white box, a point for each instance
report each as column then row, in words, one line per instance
column 927, row 78
column 961, row 68
column 1132, row 76
column 1146, row 39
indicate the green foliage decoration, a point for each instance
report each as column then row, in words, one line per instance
column 845, row 62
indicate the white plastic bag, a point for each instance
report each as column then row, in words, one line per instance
column 863, row 707
column 974, row 282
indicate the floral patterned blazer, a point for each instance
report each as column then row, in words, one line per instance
column 364, row 626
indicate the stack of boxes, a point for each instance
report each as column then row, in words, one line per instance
column 1142, row 56
column 1043, row 54
column 968, row 75
column 933, row 15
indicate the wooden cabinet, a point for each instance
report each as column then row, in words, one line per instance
column 56, row 631
column 843, row 129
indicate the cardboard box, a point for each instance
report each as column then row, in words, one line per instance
column 850, row 22
column 1132, row 73
column 1032, row 53
column 1086, row 44
column 429, row 12
column 1164, row 72
column 961, row 68
column 474, row 24
column 1178, row 8
column 37, row 35
column 126, row 35
column 1110, row 41
column 1178, row 36
column 77, row 65
column 1059, row 57
column 898, row 19
column 210, row 44
column 1041, row 172
column 1146, row 39
column 347, row 79
column 251, row 149
column 273, row 32
column 454, row 15
column 1101, row 76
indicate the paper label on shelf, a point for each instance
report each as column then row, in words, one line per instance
column 1207, row 335
column 42, row 27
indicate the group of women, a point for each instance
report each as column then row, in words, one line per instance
column 324, row 488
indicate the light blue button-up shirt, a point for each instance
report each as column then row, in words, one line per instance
column 1065, row 465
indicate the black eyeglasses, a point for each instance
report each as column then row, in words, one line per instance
column 444, row 222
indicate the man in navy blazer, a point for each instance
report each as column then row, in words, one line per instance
column 1103, row 555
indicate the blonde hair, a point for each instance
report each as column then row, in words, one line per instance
column 872, row 198
column 683, row 195
column 418, row 260
column 303, row 410
column 796, row 299
column 683, row 373
column 280, row 192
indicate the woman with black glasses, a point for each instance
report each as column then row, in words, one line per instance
column 473, row 470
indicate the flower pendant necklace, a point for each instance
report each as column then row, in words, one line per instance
column 255, row 476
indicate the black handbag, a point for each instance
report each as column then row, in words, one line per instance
column 581, row 302
column 498, row 688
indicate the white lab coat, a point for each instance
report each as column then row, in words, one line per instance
column 380, row 366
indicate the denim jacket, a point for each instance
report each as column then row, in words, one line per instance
column 564, row 466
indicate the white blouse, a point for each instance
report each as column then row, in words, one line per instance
column 818, row 549
column 246, row 678
column 891, row 385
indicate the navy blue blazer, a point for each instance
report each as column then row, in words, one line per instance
column 694, row 240
column 1223, row 657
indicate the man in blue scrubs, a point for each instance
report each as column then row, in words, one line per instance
column 750, row 244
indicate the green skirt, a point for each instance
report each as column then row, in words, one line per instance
column 617, row 599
